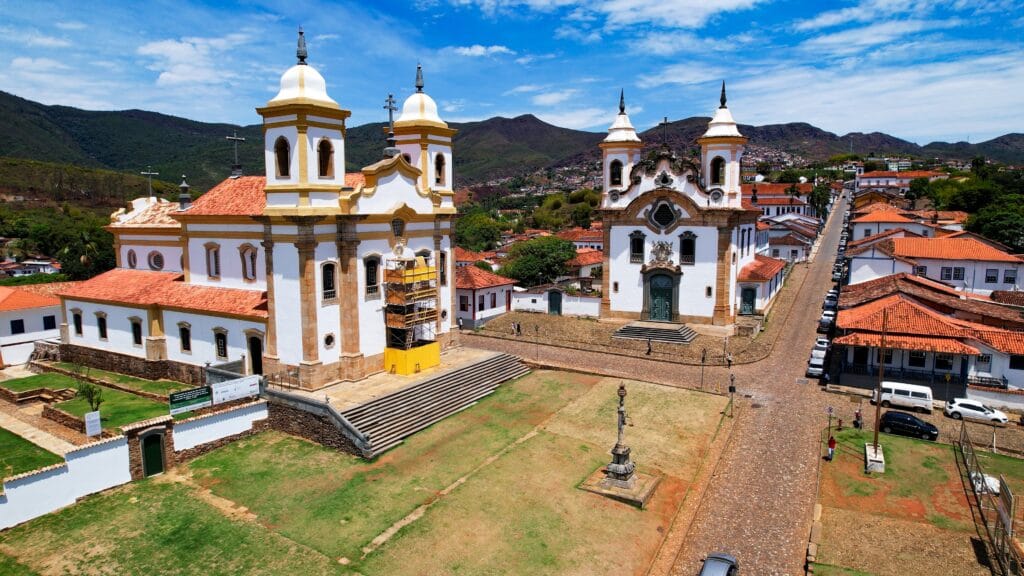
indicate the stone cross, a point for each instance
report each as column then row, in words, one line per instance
column 622, row 413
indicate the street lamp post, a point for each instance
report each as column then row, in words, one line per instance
column 703, row 359
column 732, row 394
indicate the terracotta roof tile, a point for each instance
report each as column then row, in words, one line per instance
column 900, row 315
column 775, row 188
column 908, row 174
column 168, row 289
column 763, row 225
column 463, row 255
column 882, row 216
column 779, row 201
column 1011, row 297
column 48, row 288
column 915, row 343
column 156, row 215
column 354, row 179
column 473, row 278
column 581, row 235
column 950, row 249
column 762, row 269
column 241, row 196
column 18, row 299
column 587, row 257
column 787, row 240
column 881, row 236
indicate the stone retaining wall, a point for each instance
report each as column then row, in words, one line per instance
column 131, row 365
column 309, row 426
column 100, row 382
column 70, row 420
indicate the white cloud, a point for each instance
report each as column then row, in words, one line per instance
column 192, row 61
column 580, row 119
column 71, row 25
column 31, row 38
column 524, row 88
column 552, row 98
column 528, row 59
column 453, row 105
column 325, row 37
column 668, row 43
column 683, row 75
column 36, row 64
column 580, row 34
column 856, row 39
column 477, row 50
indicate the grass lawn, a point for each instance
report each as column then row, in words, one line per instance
column 118, row 408
column 914, row 518
column 10, row 567
column 18, row 455
column 152, row 527
column 152, row 386
column 521, row 514
column 50, row 380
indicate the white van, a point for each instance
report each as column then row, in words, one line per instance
column 911, row 396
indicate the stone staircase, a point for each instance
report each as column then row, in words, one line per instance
column 656, row 332
column 388, row 420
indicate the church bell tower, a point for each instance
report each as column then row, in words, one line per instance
column 721, row 148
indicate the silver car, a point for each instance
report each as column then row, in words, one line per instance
column 960, row 408
column 720, row 564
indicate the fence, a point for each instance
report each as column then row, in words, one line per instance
column 996, row 507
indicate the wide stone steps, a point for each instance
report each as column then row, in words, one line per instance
column 390, row 419
column 673, row 334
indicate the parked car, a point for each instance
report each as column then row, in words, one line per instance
column 960, row 408
column 720, row 564
column 913, row 396
column 830, row 304
column 837, row 276
column 905, row 424
column 822, row 344
column 815, row 366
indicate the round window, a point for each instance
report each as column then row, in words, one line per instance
column 444, row 314
column 329, row 341
column 156, row 261
column 133, row 260
column 663, row 216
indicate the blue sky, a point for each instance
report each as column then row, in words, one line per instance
column 921, row 70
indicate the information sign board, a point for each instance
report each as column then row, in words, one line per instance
column 191, row 399
column 92, row 424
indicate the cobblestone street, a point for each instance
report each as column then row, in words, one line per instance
column 759, row 504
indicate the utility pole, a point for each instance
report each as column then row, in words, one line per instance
column 703, row 359
column 236, row 168
column 148, row 173
column 881, row 376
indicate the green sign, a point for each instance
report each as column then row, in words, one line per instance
column 192, row 399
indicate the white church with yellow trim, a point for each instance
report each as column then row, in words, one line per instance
column 309, row 271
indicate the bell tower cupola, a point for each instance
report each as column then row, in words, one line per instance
column 304, row 142
column 721, row 148
column 425, row 140
column 620, row 150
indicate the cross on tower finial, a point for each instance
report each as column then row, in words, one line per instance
column 622, row 101
column 389, row 105
column 664, row 132
column 300, row 52
column 419, row 77
column 722, row 99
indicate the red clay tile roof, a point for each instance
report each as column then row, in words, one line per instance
column 775, row 188
column 587, row 257
column 900, row 315
column 763, row 225
column 915, row 343
column 882, row 216
column 156, row 215
column 463, row 255
column 940, row 215
column 882, row 235
column 1011, row 297
column 17, row 299
column 168, row 289
column 581, row 235
column 787, row 240
column 473, row 278
column 241, row 196
column 779, row 201
column 353, row 179
column 950, row 249
column 762, row 269
column 876, row 207
column 51, row 289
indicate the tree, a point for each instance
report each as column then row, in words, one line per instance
column 477, row 231
column 764, row 168
column 789, row 176
column 580, row 215
column 483, row 265
column 872, row 166
column 819, row 198
column 793, row 191
column 538, row 261
column 918, row 189
column 1002, row 221
column 92, row 394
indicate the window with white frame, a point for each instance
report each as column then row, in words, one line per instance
column 921, row 270
column 944, row 362
column 946, row 273
column 958, row 273
column 991, row 275
column 248, row 254
column 984, row 363
column 1009, row 276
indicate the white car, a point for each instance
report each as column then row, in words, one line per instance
column 822, row 345
column 828, row 316
column 965, row 408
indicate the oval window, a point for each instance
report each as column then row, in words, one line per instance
column 156, row 260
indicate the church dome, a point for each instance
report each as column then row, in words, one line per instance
column 420, row 109
column 722, row 124
column 302, row 83
column 622, row 129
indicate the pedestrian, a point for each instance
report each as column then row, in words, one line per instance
column 648, row 346
column 519, row 329
column 831, row 447
column 857, row 423
column 728, row 360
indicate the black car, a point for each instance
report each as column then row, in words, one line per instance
column 908, row 425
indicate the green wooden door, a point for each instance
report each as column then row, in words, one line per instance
column 749, row 295
column 152, row 454
column 661, row 298
column 555, row 302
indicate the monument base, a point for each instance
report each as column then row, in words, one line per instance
column 636, row 491
column 873, row 461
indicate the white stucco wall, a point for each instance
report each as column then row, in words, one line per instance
column 204, row 429
column 230, row 262
column 119, row 330
column 203, row 347
column 865, row 229
column 474, row 312
column 864, row 268
column 392, row 191
column 18, row 347
column 589, row 306
column 171, row 255
column 87, row 470
column 287, row 310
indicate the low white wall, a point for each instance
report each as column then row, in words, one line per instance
column 18, row 353
column 997, row 399
column 571, row 305
column 203, row 429
column 87, row 470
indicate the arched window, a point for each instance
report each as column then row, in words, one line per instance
column 442, row 263
column 76, row 320
column 248, row 254
column 615, row 170
column 325, row 157
column 439, row 170
column 133, row 260
column 371, row 268
column 636, row 247
column 220, row 343
column 687, row 248
column 213, row 260
column 185, row 336
column 718, row 170
column 136, row 330
column 329, row 281
column 156, row 260
column 282, row 153
column 101, row 325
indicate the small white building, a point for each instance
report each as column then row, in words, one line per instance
column 883, row 221
column 758, row 284
column 964, row 263
column 892, row 180
column 480, row 296
column 25, row 316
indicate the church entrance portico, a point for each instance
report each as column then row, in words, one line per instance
column 661, row 292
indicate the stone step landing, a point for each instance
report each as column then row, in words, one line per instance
column 656, row 332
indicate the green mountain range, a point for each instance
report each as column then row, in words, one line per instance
column 129, row 141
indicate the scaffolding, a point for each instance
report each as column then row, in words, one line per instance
column 411, row 314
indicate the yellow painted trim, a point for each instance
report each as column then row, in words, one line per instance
column 387, row 235
column 423, row 127
column 307, row 187
column 722, row 140
column 152, row 243
column 283, row 211
column 227, row 234
column 314, row 123
column 424, row 166
column 141, row 230
column 303, row 143
column 328, row 109
column 185, row 258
